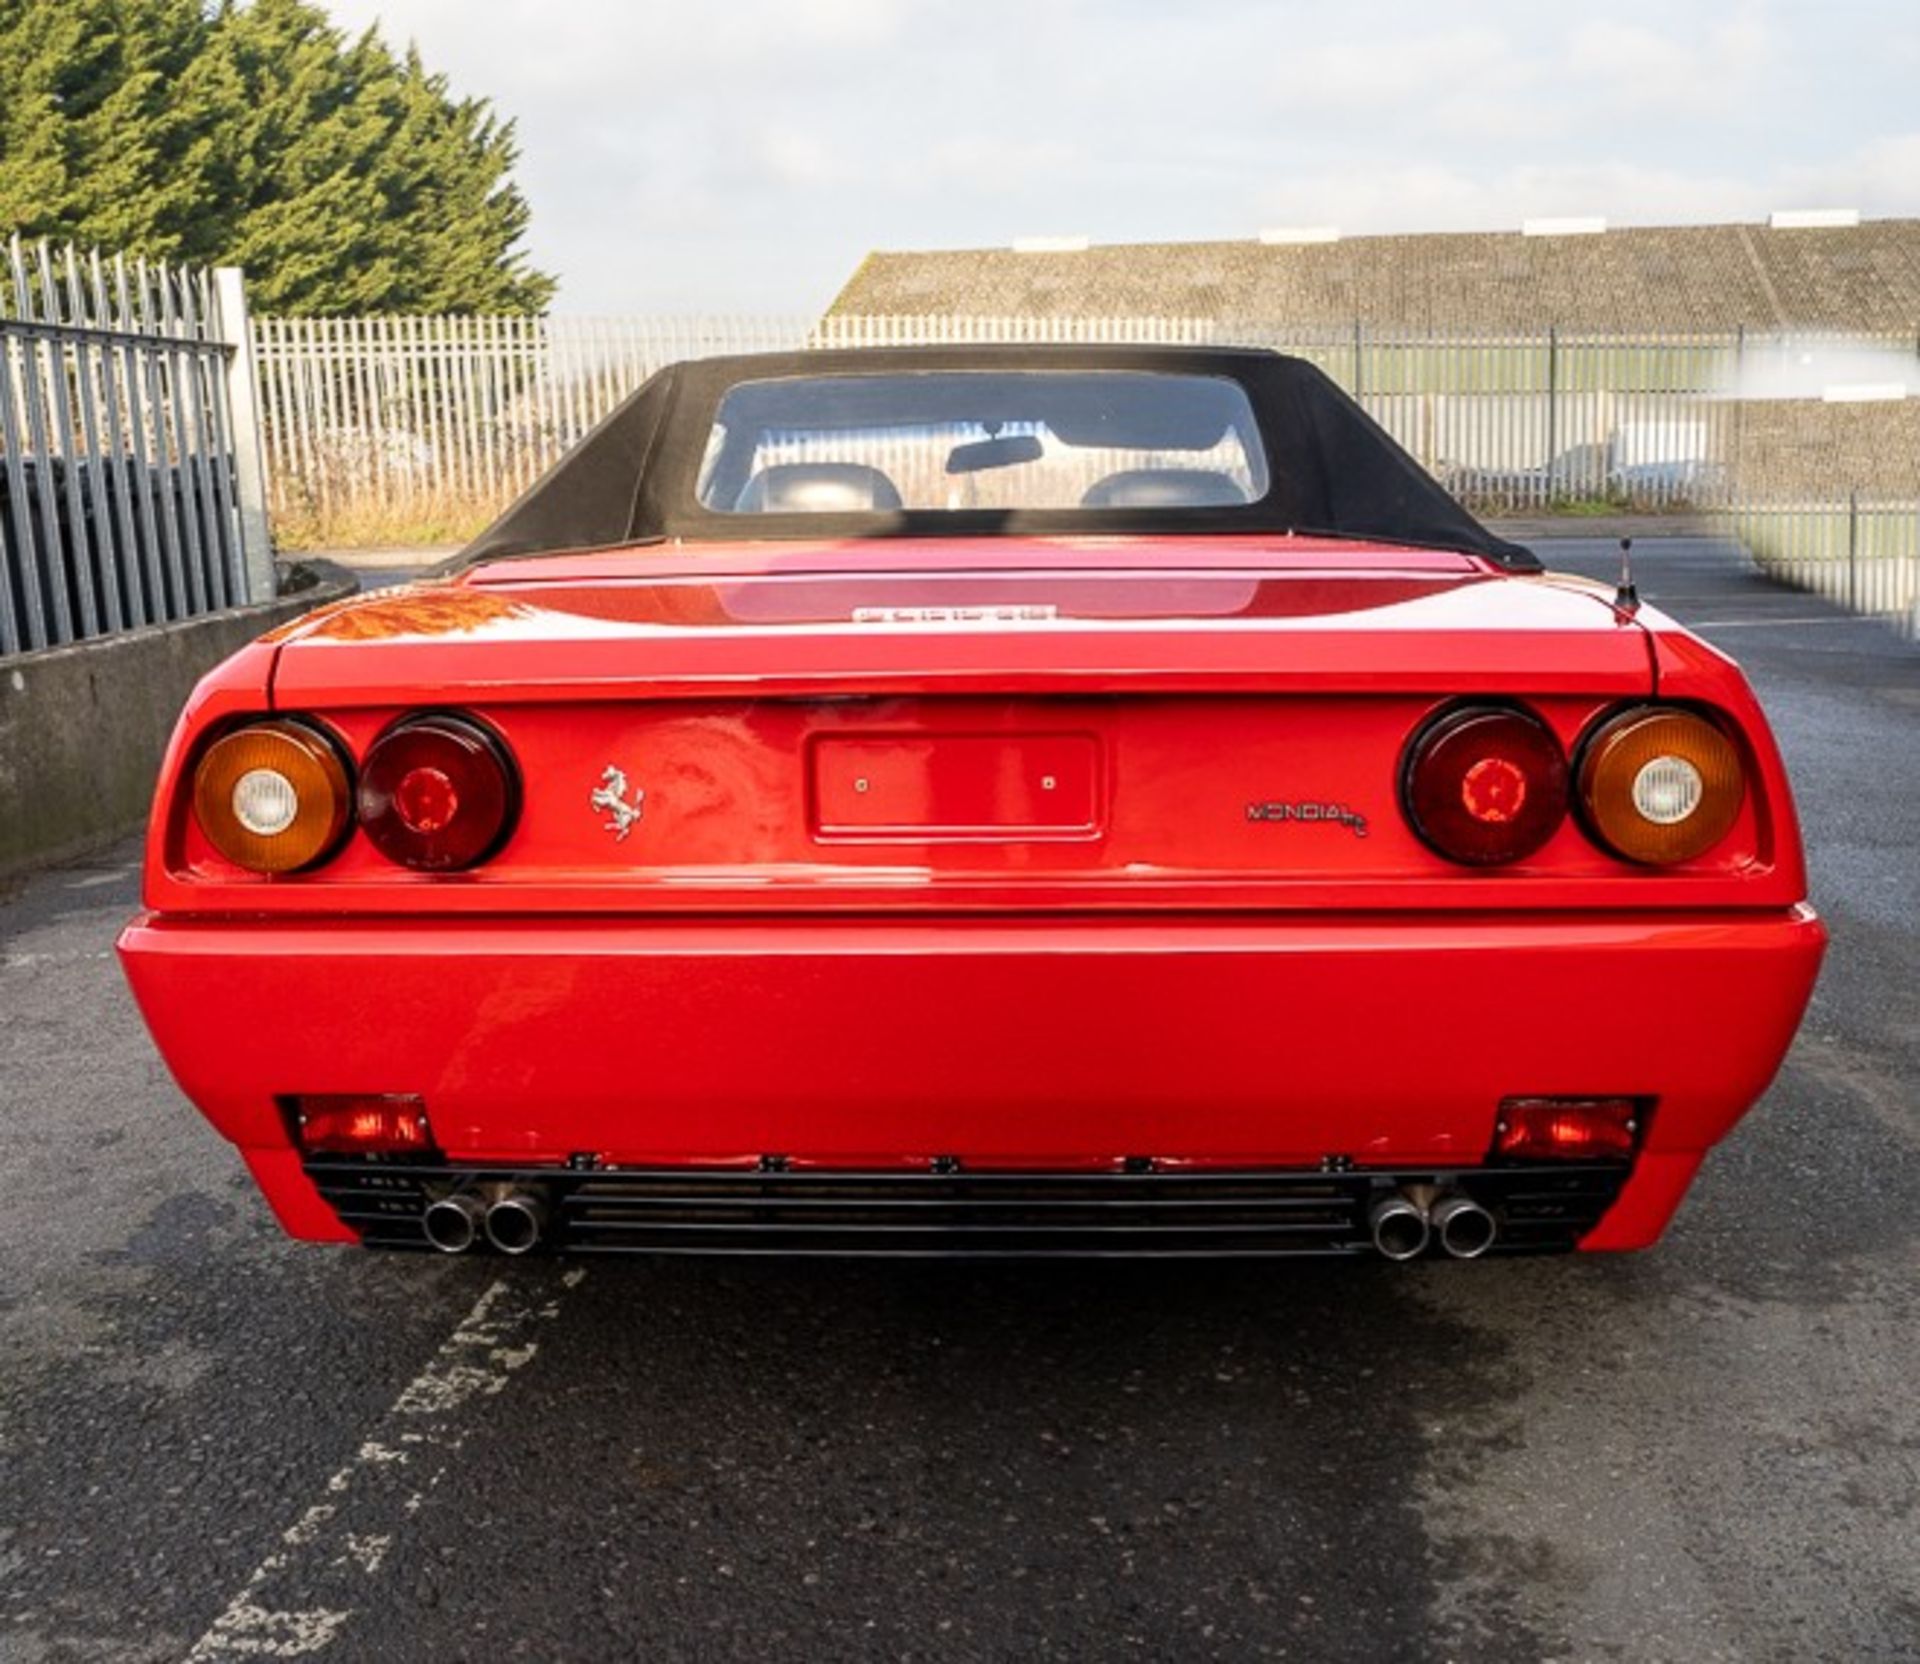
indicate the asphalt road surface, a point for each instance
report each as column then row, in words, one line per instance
column 215, row 1443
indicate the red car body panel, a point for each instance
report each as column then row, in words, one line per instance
column 1010, row 1043
column 957, row 850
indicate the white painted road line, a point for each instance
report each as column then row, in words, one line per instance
column 353, row 1524
column 106, row 875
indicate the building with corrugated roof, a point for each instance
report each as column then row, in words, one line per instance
column 1700, row 279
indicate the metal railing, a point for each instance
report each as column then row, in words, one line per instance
column 447, row 418
column 132, row 484
column 392, row 426
column 1861, row 555
column 398, row 412
column 405, row 425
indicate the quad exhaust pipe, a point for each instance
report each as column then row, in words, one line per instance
column 1400, row 1228
column 1405, row 1224
column 454, row 1223
column 516, row 1220
column 1465, row 1229
column 513, row 1219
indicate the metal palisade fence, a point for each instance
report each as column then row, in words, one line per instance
column 1861, row 554
column 132, row 484
column 400, row 428
column 425, row 418
column 1509, row 422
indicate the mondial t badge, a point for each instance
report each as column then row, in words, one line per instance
column 610, row 799
column 1326, row 814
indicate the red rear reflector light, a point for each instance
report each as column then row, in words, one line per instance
column 359, row 1125
column 426, row 801
column 1485, row 784
column 1566, row 1129
column 438, row 793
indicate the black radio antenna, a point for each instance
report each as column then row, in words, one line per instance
column 1626, row 598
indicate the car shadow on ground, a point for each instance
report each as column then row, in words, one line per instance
column 978, row 1459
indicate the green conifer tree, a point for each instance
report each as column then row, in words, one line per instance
column 344, row 178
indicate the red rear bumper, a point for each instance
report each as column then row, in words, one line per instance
column 1258, row 1043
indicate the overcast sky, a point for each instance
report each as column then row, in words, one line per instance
column 743, row 154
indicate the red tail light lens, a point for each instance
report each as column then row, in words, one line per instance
column 437, row 793
column 362, row 1125
column 1485, row 784
column 1566, row 1129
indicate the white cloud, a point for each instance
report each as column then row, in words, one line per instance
column 983, row 164
column 794, row 156
column 629, row 43
column 749, row 153
column 1437, row 197
column 1882, row 177
column 1358, row 73
column 1638, row 66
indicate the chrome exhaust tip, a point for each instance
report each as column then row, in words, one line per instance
column 516, row 1220
column 1399, row 1226
column 1465, row 1229
column 453, row 1223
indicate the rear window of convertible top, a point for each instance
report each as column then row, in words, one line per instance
column 967, row 439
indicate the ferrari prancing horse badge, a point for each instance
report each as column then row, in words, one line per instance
column 610, row 799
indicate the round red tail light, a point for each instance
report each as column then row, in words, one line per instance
column 1485, row 784
column 437, row 793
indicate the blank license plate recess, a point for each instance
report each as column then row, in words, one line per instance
column 956, row 786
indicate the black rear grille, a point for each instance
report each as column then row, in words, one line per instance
column 969, row 1214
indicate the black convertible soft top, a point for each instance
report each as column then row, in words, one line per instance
column 1333, row 469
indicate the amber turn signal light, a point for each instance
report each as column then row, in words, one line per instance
column 272, row 797
column 1660, row 786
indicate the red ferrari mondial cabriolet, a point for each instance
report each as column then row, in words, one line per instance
column 985, row 801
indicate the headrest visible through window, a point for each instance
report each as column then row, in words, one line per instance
column 818, row 488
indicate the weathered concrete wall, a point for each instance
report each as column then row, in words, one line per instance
column 83, row 728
